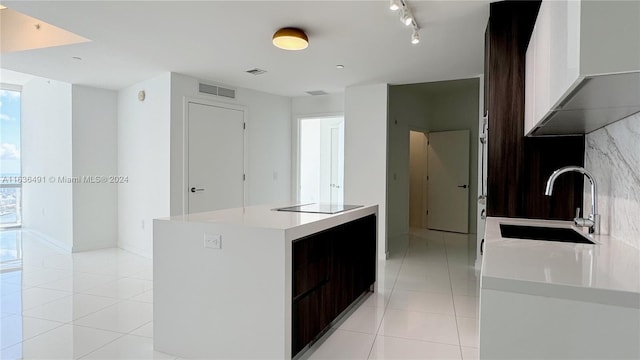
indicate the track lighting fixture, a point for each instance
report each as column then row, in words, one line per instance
column 406, row 16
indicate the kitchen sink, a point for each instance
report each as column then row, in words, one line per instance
column 543, row 233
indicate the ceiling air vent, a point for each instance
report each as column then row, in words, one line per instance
column 228, row 93
column 216, row 91
column 256, row 71
column 317, row 92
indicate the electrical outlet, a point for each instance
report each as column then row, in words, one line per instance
column 212, row 241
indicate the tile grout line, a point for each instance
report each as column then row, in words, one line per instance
column 453, row 299
column 100, row 347
column 419, row 340
column 386, row 306
column 29, row 338
column 145, row 324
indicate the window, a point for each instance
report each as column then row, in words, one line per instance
column 10, row 165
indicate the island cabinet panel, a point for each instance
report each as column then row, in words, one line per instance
column 311, row 314
column 311, row 263
column 331, row 269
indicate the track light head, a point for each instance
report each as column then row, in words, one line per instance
column 394, row 5
column 415, row 37
column 406, row 17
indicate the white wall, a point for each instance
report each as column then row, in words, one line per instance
column 306, row 106
column 94, row 139
column 46, row 151
column 144, row 157
column 268, row 142
column 365, row 152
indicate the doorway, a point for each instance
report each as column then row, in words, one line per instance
column 321, row 160
column 215, row 157
column 418, row 179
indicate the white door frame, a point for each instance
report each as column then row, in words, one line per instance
column 185, row 145
column 295, row 147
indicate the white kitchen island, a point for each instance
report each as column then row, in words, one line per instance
column 554, row 300
column 226, row 284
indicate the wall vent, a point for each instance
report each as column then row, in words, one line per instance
column 256, row 71
column 216, row 91
column 317, row 92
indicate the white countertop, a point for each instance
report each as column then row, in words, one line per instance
column 295, row 224
column 607, row 272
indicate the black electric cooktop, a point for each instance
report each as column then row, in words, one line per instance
column 319, row 208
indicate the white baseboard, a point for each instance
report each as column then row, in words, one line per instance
column 50, row 240
column 137, row 251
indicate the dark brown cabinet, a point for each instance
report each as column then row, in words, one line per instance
column 331, row 269
column 518, row 167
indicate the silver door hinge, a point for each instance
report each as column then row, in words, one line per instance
column 244, row 177
column 244, row 126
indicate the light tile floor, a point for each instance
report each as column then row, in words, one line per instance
column 425, row 305
column 99, row 304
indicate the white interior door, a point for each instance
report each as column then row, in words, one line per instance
column 448, row 181
column 215, row 158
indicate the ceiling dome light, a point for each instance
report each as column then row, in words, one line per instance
column 290, row 38
column 415, row 37
column 394, row 5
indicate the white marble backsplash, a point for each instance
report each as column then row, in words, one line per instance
column 612, row 155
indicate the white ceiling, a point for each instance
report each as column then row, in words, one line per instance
column 219, row 40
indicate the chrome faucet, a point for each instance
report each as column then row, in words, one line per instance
column 593, row 222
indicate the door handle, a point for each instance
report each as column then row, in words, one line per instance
column 462, row 186
column 193, row 189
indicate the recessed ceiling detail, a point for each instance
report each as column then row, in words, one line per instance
column 19, row 32
column 317, row 92
column 256, row 71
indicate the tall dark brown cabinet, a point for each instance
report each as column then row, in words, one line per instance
column 518, row 167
